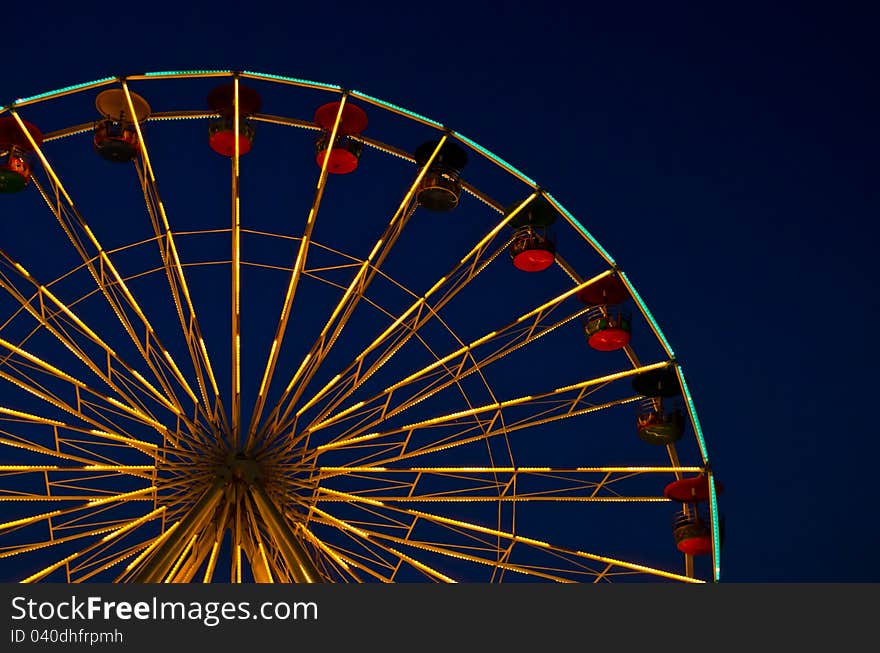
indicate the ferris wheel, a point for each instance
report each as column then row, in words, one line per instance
column 255, row 328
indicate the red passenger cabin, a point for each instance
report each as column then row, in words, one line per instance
column 690, row 529
column 532, row 249
column 345, row 151
column 221, row 131
column 608, row 326
column 15, row 153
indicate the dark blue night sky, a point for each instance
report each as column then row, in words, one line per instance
column 727, row 158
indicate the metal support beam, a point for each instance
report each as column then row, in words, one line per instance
column 160, row 563
column 297, row 559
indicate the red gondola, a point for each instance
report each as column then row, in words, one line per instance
column 532, row 249
column 692, row 534
column 345, row 152
column 15, row 153
column 607, row 328
column 690, row 490
column 221, row 131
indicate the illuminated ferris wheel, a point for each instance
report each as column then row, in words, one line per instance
column 256, row 328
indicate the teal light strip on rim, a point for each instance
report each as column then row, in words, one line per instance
column 716, row 534
column 713, row 506
column 582, row 229
column 394, row 107
column 295, row 80
column 497, row 159
column 178, row 73
column 644, row 307
column 66, row 89
column 693, row 411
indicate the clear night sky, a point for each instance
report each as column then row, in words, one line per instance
column 726, row 158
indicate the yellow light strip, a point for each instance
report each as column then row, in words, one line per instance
column 30, row 520
column 181, row 558
column 39, row 361
column 43, row 450
column 87, row 468
column 158, row 395
column 422, row 566
column 522, row 400
column 371, row 536
column 565, row 295
column 186, row 387
column 59, row 497
column 495, row 498
column 516, row 538
column 8, row 553
column 236, row 270
column 36, row 148
column 126, row 440
column 389, row 231
column 265, row 561
column 326, row 549
column 137, row 522
column 488, row 237
column 161, row 538
column 119, row 497
column 296, row 273
column 30, row 417
column 210, row 369
column 266, row 371
column 48, row 570
column 137, row 413
column 507, row 470
column 212, row 562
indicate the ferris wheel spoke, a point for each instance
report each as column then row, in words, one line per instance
column 161, row 364
column 27, row 444
column 402, row 329
column 458, row 552
column 70, row 219
column 100, row 429
column 296, row 558
column 566, row 402
column 350, row 298
column 493, row 484
column 342, row 564
column 41, row 546
column 106, row 563
column 235, row 348
column 101, row 543
column 531, row 543
column 378, row 546
column 141, row 471
column 159, row 562
column 297, row 270
column 254, row 547
column 174, row 271
column 50, row 320
column 465, row 433
column 108, row 501
column 523, row 331
column 80, row 390
column 103, row 429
